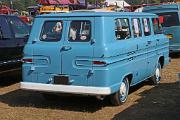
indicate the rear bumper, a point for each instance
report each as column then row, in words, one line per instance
column 66, row 88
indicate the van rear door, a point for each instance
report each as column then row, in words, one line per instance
column 47, row 48
column 77, row 49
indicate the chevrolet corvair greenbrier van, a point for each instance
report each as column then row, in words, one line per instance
column 94, row 53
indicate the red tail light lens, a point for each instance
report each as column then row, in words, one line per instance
column 99, row 63
column 27, row 60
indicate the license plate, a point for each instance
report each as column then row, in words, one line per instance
column 61, row 80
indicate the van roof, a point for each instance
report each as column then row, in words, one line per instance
column 94, row 14
column 162, row 7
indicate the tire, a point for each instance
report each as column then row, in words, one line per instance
column 155, row 79
column 120, row 96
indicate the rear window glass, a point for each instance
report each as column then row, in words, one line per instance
column 80, row 31
column 52, row 31
column 169, row 19
column 20, row 29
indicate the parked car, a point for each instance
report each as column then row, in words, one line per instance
column 94, row 53
column 169, row 15
column 13, row 36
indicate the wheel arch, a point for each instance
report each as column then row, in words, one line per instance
column 161, row 61
column 129, row 76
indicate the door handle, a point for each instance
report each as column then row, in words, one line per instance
column 66, row 48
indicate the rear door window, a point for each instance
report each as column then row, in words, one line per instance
column 169, row 19
column 80, row 31
column 51, row 31
column 122, row 29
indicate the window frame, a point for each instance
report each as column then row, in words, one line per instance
column 42, row 29
column 129, row 29
column 139, row 25
column 149, row 26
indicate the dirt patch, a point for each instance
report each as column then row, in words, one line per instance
column 144, row 102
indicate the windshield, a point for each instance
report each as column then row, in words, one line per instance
column 20, row 29
column 169, row 19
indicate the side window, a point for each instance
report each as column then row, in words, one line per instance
column 157, row 26
column 80, row 31
column 136, row 27
column 146, row 26
column 122, row 30
column 20, row 29
column 51, row 31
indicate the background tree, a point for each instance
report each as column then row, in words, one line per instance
column 23, row 4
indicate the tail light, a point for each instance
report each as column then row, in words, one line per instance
column 99, row 63
column 170, row 36
column 27, row 60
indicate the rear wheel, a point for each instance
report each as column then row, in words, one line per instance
column 120, row 96
column 155, row 79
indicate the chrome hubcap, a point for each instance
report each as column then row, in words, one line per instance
column 157, row 74
column 123, row 91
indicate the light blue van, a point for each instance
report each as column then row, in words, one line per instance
column 169, row 15
column 94, row 53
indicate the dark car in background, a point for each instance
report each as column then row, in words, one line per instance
column 13, row 36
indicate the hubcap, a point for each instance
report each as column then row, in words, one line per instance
column 123, row 91
column 157, row 74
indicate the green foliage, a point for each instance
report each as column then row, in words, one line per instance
column 20, row 4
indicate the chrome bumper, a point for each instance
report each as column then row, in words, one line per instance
column 66, row 88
